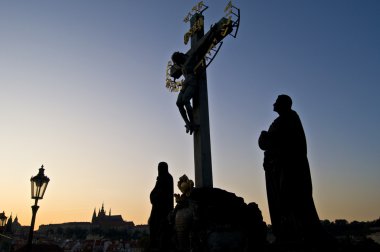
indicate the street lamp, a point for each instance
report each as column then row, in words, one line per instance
column 39, row 184
column 3, row 220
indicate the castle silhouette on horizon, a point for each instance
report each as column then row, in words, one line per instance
column 100, row 220
column 103, row 220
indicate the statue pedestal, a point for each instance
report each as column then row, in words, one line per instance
column 212, row 218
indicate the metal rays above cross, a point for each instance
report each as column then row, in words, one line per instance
column 207, row 46
column 192, row 66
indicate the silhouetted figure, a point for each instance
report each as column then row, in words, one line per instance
column 288, row 180
column 162, row 200
column 191, row 66
column 187, row 65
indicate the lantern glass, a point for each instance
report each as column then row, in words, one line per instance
column 39, row 184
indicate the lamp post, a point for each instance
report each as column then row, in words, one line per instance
column 39, row 184
column 3, row 220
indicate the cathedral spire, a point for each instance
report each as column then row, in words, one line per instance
column 94, row 215
column 102, row 212
column 8, row 226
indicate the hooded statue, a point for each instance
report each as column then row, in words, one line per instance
column 162, row 201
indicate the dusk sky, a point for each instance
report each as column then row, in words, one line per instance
column 83, row 92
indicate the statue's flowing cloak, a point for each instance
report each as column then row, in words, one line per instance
column 288, row 179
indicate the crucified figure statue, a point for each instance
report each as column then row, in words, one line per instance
column 186, row 65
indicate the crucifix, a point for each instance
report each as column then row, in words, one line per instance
column 192, row 65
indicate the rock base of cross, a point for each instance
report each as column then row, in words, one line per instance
column 211, row 218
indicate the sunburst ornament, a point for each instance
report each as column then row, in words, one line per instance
column 172, row 84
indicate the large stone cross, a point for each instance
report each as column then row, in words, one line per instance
column 204, row 48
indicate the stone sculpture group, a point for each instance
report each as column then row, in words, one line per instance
column 212, row 219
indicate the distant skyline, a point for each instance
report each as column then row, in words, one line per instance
column 83, row 92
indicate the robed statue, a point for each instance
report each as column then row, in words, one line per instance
column 289, row 188
column 162, row 199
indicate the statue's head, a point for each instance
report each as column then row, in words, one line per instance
column 282, row 104
column 185, row 185
column 179, row 58
column 162, row 168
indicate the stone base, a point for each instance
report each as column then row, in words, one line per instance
column 217, row 220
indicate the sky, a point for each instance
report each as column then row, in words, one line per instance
column 83, row 93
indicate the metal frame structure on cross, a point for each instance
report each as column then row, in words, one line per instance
column 204, row 48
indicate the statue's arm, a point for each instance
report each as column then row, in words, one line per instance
column 175, row 71
column 268, row 139
column 264, row 140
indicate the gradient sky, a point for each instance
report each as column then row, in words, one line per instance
column 83, row 92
